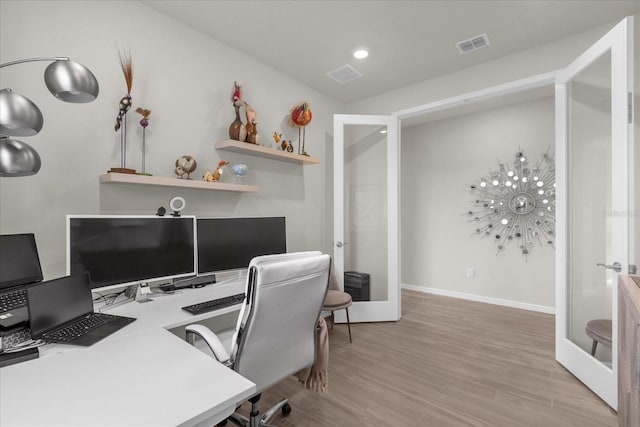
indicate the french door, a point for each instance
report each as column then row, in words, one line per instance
column 593, row 151
column 366, row 186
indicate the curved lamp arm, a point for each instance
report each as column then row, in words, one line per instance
column 48, row 59
column 67, row 80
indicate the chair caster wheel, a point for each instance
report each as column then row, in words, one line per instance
column 286, row 409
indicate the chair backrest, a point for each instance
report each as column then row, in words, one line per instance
column 276, row 332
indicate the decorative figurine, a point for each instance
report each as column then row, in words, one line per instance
column 184, row 166
column 235, row 131
column 126, row 63
column 276, row 139
column 125, row 103
column 301, row 116
column 240, row 170
column 282, row 144
column 252, row 125
column 218, row 172
column 144, row 123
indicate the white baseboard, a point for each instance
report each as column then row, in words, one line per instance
column 480, row 298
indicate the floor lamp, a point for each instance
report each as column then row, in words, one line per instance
column 19, row 116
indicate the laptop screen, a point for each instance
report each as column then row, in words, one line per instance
column 55, row 302
column 19, row 262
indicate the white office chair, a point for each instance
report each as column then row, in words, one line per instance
column 275, row 335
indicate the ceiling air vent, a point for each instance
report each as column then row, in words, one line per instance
column 344, row 74
column 474, row 43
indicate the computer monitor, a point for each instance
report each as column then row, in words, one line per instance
column 19, row 261
column 119, row 250
column 231, row 243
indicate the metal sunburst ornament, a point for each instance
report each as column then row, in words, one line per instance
column 516, row 204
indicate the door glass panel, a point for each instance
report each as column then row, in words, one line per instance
column 365, row 212
column 590, row 237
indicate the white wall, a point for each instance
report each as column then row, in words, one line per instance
column 185, row 78
column 439, row 162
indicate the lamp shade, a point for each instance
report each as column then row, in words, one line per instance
column 18, row 158
column 71, row 82
column 18, row 115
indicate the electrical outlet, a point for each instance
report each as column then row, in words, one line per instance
column 470, row 273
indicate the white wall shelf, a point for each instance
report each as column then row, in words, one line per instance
column 163, row 181
column 269, row 153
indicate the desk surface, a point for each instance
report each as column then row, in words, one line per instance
column 143, row 375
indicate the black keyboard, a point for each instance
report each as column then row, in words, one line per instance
column 78, row 327
column 13, row 299
column 216, row 304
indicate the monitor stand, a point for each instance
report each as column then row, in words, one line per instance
column 140, row 293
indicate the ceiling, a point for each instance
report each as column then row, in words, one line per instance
column 408, row 41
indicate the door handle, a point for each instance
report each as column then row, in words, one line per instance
column 341, row 244
column 616, row 266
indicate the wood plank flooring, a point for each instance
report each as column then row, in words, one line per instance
column 447, row 362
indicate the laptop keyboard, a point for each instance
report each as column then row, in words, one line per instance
column 78, row 328
column 13, row 299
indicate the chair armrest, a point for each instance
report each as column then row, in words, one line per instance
column 209, row 338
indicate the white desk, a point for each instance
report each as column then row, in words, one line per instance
column 143, row 375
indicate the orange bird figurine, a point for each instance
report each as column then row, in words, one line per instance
column 218, row 172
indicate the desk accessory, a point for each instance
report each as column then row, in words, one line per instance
column 177, row 204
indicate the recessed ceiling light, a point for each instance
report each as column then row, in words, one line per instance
column 360, row 53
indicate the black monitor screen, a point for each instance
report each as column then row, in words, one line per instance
column 130, row 249
column 231, row 243
column 19, row 261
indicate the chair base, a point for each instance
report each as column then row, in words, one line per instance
column 257, row 420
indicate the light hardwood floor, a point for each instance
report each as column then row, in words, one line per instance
column 447, row 362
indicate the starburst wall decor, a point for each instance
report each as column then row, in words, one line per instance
column 516, row 204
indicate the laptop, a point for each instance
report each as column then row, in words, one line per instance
column 61, row 311
column 19, row 266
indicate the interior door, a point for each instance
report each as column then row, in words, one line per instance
column 593, row 143
column 366, row 248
